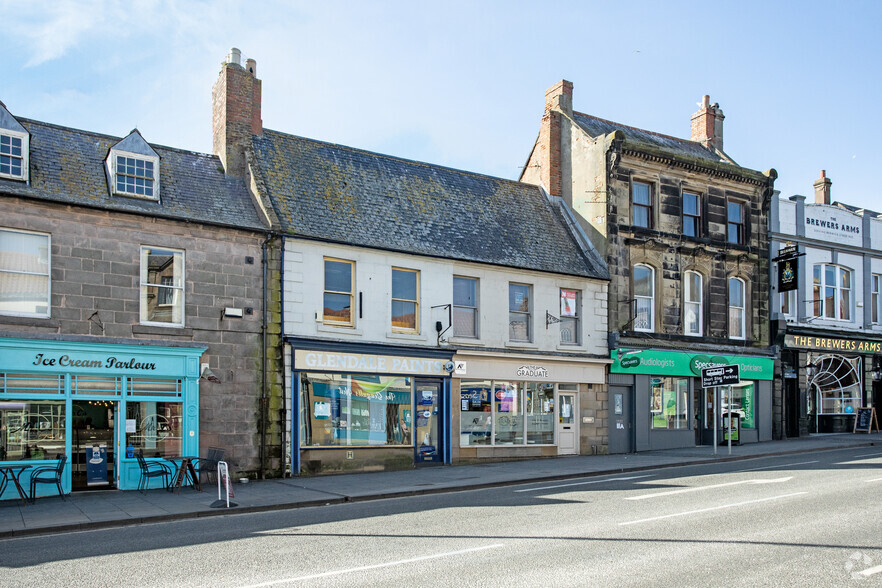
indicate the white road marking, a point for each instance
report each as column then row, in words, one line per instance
column 868, row 455
column 772, row 467
column 874, row 480
column 712, row 486
column 583, row 483
column 868, row 572
column 682, row 514
column 373, row 567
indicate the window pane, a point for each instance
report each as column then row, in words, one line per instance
column 404, row 284
column 403, row 314
column 508, row 397
column 540, row 413
column 519, row 297
column 464, row 322
column 519, row 326
column 693, row 287
column 690, row 204
column 734, row 212
column 641, row 193
column 669, row 403
column 162, row 279
column 31, row 429
column 338, row 276
column 736, row 292
column 642, row 281
column 641, row 216
column 643, row 320
column 355, row 410
column 23, row 293
column 464, row 291
column 158, row 427
column 476, row 410
column 338, row 307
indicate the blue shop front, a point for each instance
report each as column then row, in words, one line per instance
column 100, row 404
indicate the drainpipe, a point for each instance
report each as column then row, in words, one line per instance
column 284, row 410
column 263, row 329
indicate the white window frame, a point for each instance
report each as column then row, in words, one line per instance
column 684, row 215
column 821, row 287
column 528, row 313
column 737, row 309
column 875, row 300
column 144, row 284
column 692, row 302
column 644, row 299
column 475, row 309
column 48, row 275
column 112, row 162
column 788, row 303
column 25, row 150
column 575, row 319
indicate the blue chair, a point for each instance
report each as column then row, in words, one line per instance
column 153, row 469
column 48, row 475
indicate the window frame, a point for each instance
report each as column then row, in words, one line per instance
column 528, row 313
column 648, row 207
column 476, row 323
column 699, row 303
column 875, row 311
column 743, row 308
column 638, row 297
column 48, row 275
column 821, row 287
column 145, row 283
column 739, row 226
column 575, row 319
column 693, row 218
column 416, row 302
column 115, row 173
column 351, row 293
column 25, row 154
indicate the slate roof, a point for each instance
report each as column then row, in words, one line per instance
column 68, row 165
column 337, row 193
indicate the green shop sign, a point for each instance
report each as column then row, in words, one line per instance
column 677, row 363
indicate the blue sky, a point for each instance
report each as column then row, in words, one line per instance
column 462, row 83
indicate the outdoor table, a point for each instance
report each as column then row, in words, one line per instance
column 13, row 472
column 180, row 473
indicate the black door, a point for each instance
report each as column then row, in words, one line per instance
column 791, row 404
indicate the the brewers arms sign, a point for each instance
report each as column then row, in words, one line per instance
column 832, row 344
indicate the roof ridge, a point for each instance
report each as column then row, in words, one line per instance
column 403, row 159
column 612, row 122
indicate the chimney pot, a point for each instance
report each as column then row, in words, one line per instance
column 707, row 125
column 234, row 56
column 251, row 66
column 235, row 112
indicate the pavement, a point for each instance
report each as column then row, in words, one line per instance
column 114, row 508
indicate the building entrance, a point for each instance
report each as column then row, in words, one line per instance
column 93, row 446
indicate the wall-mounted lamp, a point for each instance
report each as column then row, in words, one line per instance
column 207, row 375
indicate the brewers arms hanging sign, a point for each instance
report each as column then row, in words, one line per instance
column 832, row 344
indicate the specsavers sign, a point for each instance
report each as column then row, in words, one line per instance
column 675, row 363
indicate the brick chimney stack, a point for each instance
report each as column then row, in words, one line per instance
column 822, row 188
column 707, row 125
column 558, row 99
column 235, row 99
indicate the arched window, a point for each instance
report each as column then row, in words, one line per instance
column 832, row 291
column 644, row 298
column 692, row 304
column 736, row 308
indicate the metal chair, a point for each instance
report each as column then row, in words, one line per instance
column 48, row 475
column 208, row 465
column 152, row 469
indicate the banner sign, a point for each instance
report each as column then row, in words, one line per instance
column 678, row 363
column 832, row 344
column 788, row 275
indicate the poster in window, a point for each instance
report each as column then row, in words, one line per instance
column 567, row 302
column 322, row 410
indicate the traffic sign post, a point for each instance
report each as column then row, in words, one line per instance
column 714, row 377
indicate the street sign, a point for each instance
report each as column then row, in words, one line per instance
column 721, row 375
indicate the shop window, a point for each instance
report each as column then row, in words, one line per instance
column 465, row 307
column 31, row 429
column 691, row 214
column 13, row 155
column 24, row 273
column 644, row 298
column 570, row 316
column 476, row 412
column 692, row 304
column 641, row 204
column 162, row 286
column 355, row 410
column 835, row 384
column 735, row 222
column 539, row 411
column 158, row 427
column 736, row 308
column 669, row 403
column 339, row 292
column 509, row 413
column 405, row 300
column 832, row 291
column 875, row 300
column 520, row 312
column 742, row 400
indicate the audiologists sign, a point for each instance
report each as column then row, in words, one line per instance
column 676, row 363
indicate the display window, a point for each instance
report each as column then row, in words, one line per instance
column 156, row 428
column 31, row 429
column 669, row 403
column 741, row 399
column 506, row 413
column 355, row 410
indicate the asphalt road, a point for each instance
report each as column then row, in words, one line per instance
column 798, row 520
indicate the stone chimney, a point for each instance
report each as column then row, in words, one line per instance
column 707, row 125
column 558, row 99
column 235, row 99
column 822, row 188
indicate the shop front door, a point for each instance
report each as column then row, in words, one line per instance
column 93, row 455
column 567, row 426
column 621, row 427
column 427, row 422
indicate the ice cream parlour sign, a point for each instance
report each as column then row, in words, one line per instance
column 66, row 360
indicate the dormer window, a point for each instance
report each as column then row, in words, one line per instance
column 133, row 168
column 134, row 176
column 13, row 156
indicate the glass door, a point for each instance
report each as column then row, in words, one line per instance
column 427, row 411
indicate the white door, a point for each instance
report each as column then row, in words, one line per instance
column 567, row 425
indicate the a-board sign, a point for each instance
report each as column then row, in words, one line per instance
column 866, row 420
column 721, row 375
